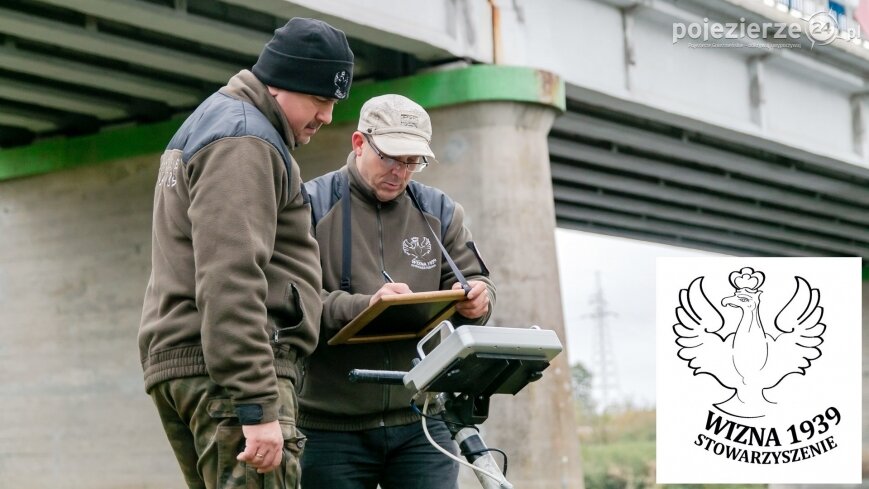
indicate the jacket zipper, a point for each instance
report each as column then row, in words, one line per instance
column 380, row 232
column 385, row 349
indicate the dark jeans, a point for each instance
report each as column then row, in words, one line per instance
column 397, row 457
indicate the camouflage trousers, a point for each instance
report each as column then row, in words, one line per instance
column 206, row 436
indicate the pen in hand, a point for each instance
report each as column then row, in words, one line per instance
column 391, row 287
column 387, row 277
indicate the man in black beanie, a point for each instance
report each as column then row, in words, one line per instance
column 233, row 302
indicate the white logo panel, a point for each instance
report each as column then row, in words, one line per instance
column 759, row 370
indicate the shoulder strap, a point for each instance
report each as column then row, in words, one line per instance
column 455, row 269
column 324, row 193
column 346, row 234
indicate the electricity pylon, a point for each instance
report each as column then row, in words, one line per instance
column 605, row 378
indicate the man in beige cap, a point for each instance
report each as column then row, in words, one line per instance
column 362, row 435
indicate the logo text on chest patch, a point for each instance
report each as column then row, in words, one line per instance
column 419, row 248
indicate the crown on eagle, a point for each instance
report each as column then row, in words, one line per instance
column 747, row 279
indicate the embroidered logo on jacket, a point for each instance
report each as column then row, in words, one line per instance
column 419, row 248
column 169, row 163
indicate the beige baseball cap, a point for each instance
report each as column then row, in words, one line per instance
column 398, row 125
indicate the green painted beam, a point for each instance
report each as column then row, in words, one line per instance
column 63, row 153
column 480, row 83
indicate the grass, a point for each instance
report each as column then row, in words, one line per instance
column 619, row 465
column 618, row 452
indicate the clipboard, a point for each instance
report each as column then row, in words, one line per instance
column 399, row 317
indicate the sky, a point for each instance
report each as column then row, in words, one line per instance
column 627, row 275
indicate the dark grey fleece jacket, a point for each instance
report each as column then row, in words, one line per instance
column 235, row 280
column 390, row 236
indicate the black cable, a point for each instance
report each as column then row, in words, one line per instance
column 414, row 407
column 504, row 455
column 451, row 423
column 478, row 452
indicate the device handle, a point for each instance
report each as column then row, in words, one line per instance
column 430, row 334
column 362, row 376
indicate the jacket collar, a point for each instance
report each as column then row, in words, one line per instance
column 247, row 87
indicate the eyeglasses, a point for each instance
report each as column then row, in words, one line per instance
column 390, row 162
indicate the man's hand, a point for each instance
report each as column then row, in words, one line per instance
column 390, row 289
column 476, row 303
column 264, row 445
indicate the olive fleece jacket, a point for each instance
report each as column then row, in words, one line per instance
column 390, row 236
column 235, row 280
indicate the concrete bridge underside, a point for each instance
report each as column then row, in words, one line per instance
column 629, row 171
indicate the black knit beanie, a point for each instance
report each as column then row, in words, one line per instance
column 307, row 56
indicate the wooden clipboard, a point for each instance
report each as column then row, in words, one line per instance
column 399, row 317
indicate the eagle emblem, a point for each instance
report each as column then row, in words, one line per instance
column 416, row 247
column 419, row 248
column 748, row 360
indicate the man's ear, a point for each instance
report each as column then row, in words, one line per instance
column 272, row 90
column 357, row 140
